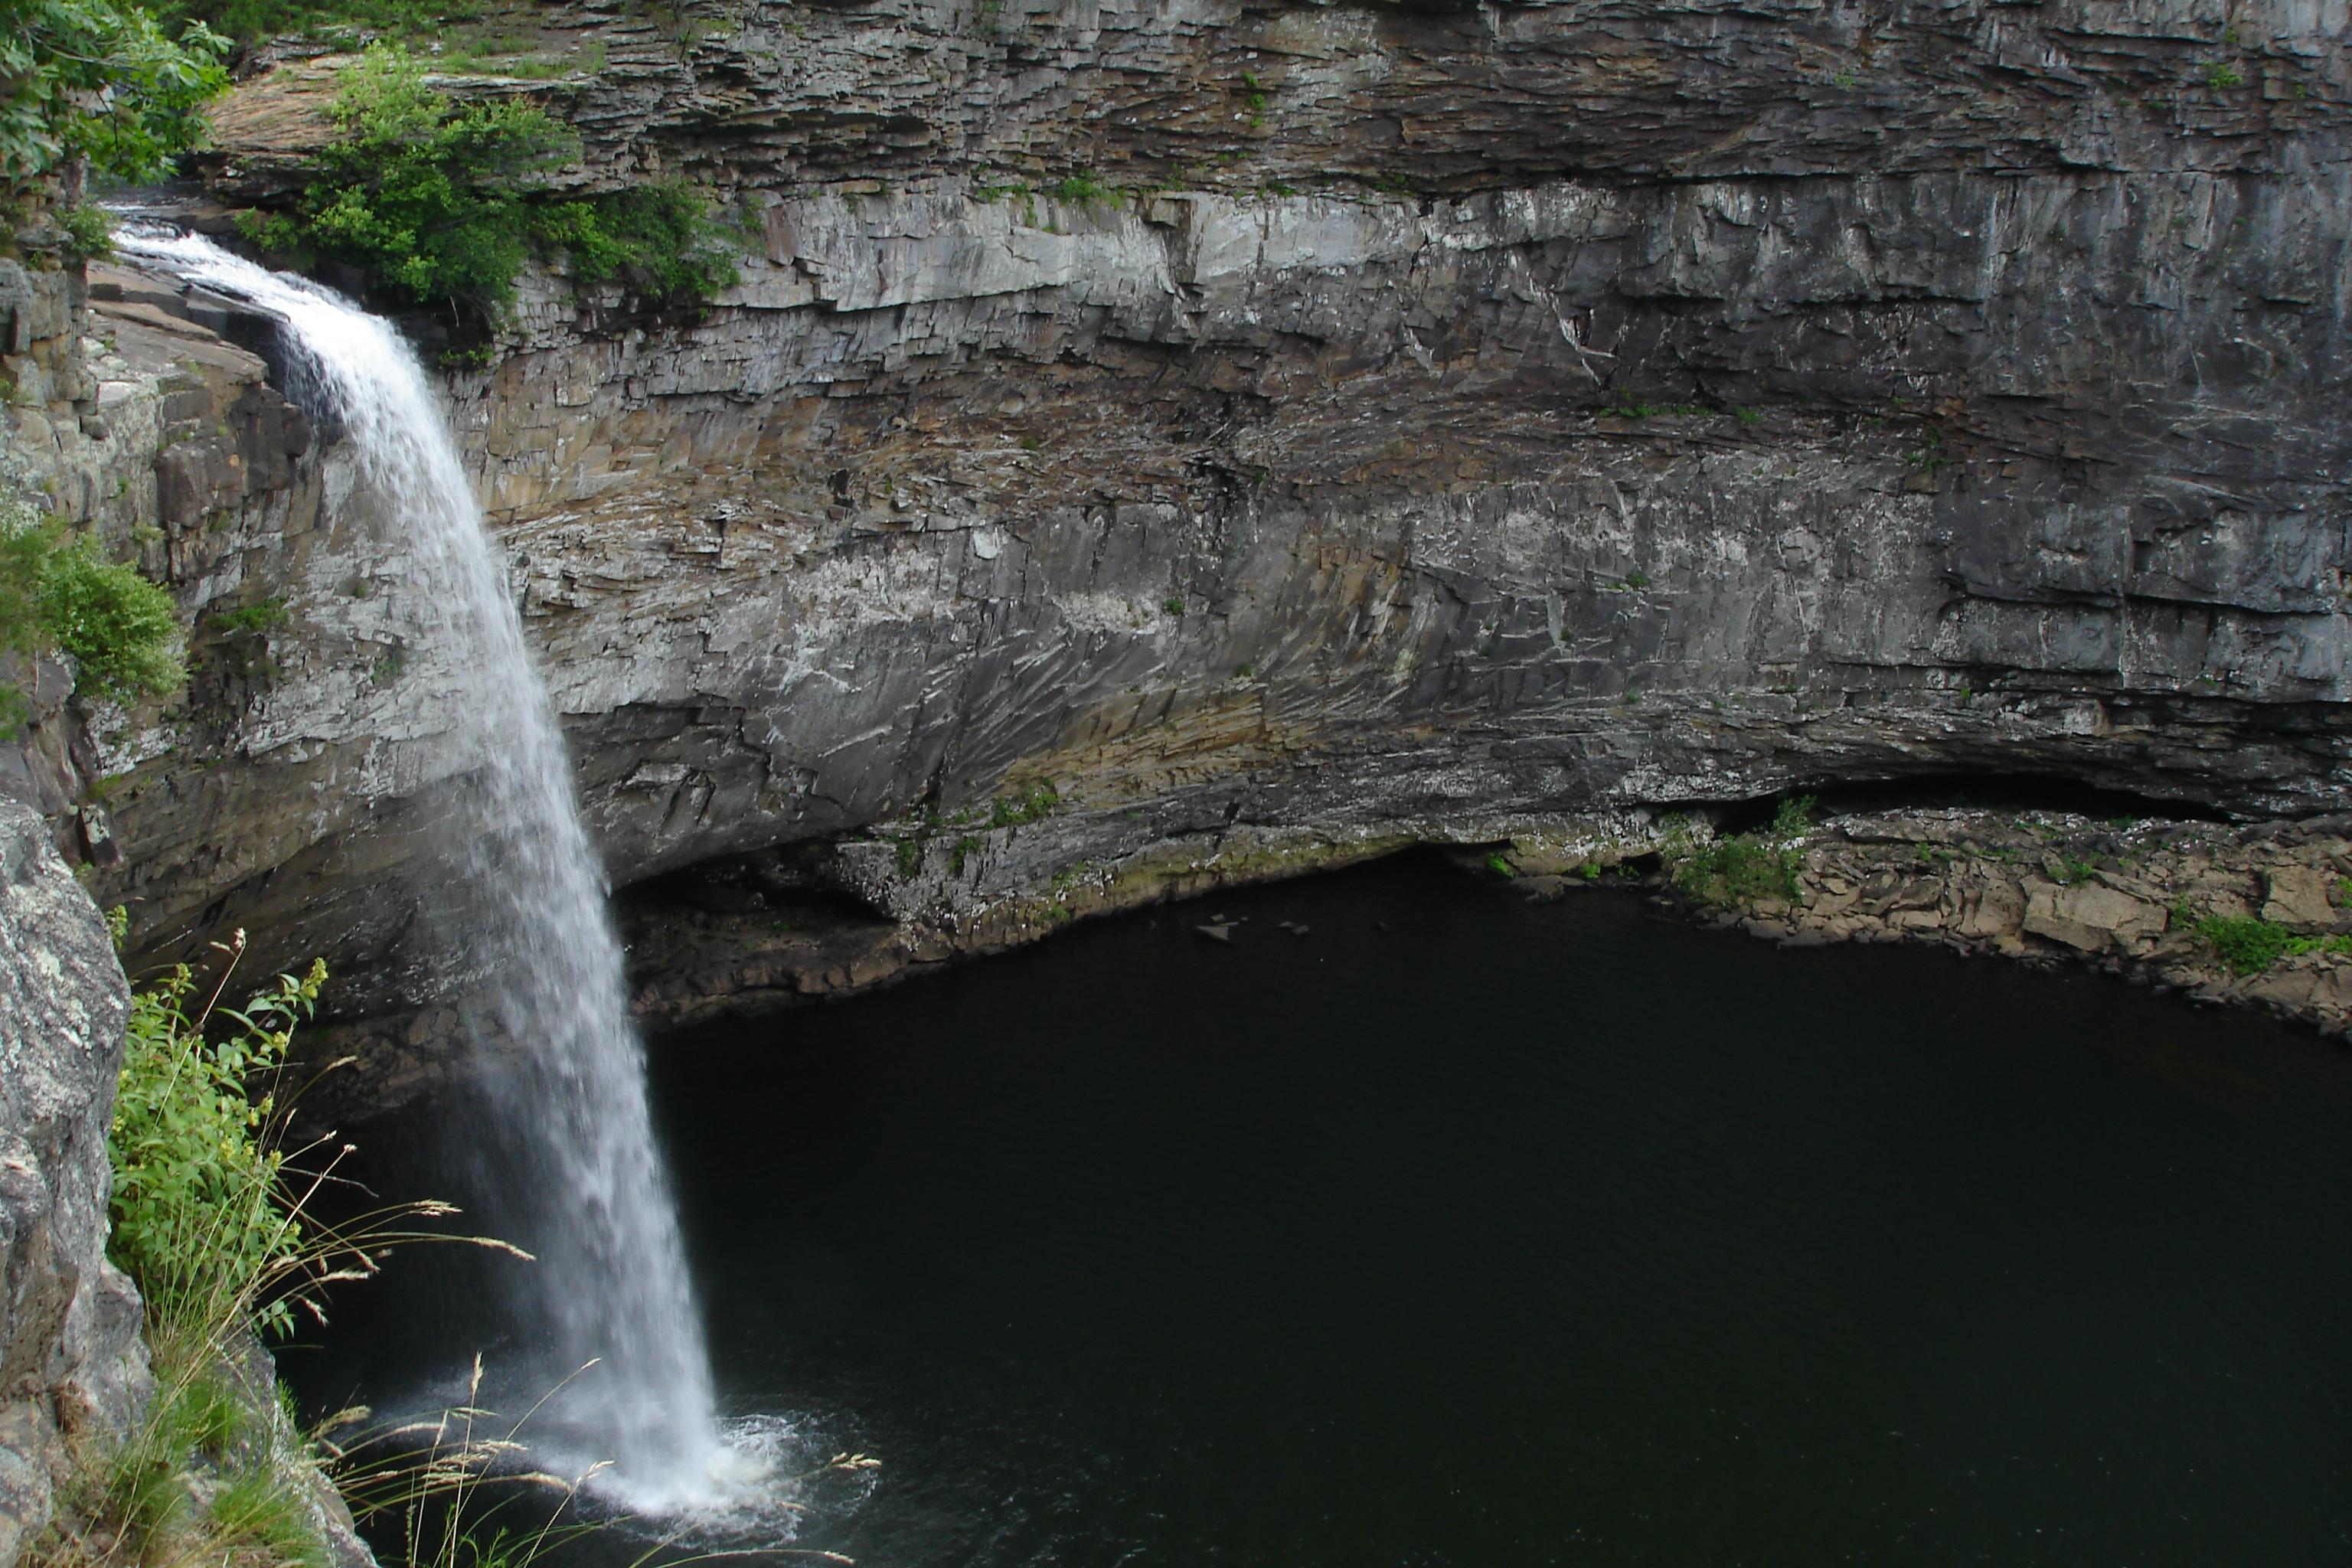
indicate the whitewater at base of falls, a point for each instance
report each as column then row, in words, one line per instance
column 523, row 895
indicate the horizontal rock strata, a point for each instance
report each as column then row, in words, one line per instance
column 1344, row 424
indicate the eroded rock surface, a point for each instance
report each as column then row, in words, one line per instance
column 1336, row 423
column 73, row 1370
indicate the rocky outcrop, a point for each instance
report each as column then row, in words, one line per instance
column 137, row 418
column 2252, row 915
column 1345, row 423
column 73, row 1370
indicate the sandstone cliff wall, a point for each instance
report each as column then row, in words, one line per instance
column 1314, row 425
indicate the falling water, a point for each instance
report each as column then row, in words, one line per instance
column 611, row 1284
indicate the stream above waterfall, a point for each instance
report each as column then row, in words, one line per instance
column 1458, row 1229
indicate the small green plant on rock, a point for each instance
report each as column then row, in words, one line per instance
column 1039, row 801
column 1085, row 190
column 247, row 619
column 2072, row 872
column 1738, row 870
column 2244, row 943
column 58, row 593
column 1793, row 817
column 89, row 233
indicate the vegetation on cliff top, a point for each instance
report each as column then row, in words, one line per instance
column 444, row 203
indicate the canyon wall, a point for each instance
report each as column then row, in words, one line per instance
column 1152, row 439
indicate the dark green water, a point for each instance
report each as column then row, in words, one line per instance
column 1518, row 1234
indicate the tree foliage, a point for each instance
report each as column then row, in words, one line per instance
column 100, row 79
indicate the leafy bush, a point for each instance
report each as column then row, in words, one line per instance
column 57, row 591
column 102, row 80
column 430, row 198
column 1039, row 801
column 120, row 628
column 2246, row 945
column 201, row 1219
column 211, row 1219
column 1744, row 868
column 657, row 239
column 444, row 204
column 89, row 232
column 1738, row 870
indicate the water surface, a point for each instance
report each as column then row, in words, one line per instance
column 1462, row 1230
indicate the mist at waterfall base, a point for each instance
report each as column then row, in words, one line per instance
column 1466, row 1231
column 605, row 1324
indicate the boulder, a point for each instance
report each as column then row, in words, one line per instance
column 2089, row 919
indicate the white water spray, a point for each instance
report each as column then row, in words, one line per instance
column 611, row 1284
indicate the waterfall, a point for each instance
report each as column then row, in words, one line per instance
column 567, row 1069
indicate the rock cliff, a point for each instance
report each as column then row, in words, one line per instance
column 73, row 1370
column 1192, row 437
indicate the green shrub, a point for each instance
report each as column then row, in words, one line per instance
column 2246, row 945
column 1083, row 190
column 657, row 239
column 1040, row 800
column 202, row 1220
column 1743, row 868
column 443, row 203
column 58, row 592
column 89, row 233
column 1793, row 817
column 429, row 198
column 247, row 620
column 1738, row 870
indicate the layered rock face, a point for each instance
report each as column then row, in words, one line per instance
column 1289, row 431
column 72, row 1368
